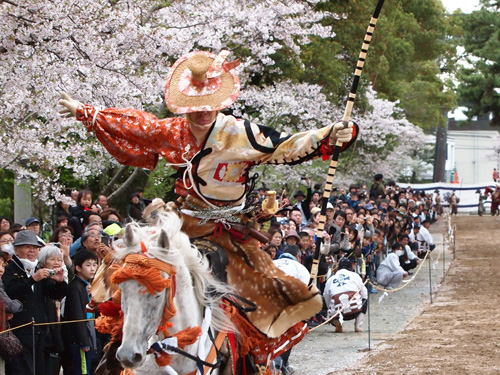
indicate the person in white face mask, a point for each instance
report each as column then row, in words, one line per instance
column 390, row 273
column 20, row 277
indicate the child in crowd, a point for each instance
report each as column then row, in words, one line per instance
column 83, row 203
column 80, row 337
column 79, row 212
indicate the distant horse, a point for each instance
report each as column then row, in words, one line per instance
column 495, row 198
column 163, row 272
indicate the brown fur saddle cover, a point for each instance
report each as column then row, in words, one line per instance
column 282, row 300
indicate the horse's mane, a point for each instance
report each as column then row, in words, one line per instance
column 208, row 290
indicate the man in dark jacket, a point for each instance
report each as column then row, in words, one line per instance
column 19, row 280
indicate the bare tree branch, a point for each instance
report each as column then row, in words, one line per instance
column 110, row 186
column 127, row 184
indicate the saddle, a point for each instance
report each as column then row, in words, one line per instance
column 216, row 256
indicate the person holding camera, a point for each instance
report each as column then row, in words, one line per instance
column 63, row 239
column 390, row 273
column 26, row 282
column 51, row 258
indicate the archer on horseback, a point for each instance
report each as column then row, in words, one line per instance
column 213, row 154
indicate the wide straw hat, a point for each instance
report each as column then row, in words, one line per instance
column 202, row 81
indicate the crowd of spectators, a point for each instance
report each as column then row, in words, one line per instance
column 47, row 278
column 363, row 225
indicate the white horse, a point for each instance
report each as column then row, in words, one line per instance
column 143, row 311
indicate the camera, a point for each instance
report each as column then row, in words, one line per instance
column 105, row 239
column 332, row 230
column 52, row 273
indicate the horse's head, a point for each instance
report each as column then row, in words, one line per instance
column 145, row 289
column 158, row 263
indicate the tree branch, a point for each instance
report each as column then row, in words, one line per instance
column 9, row 2
column 153, row 9
column 109, row 187
column 126, row 185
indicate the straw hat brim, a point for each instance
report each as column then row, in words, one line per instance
column 226, row 92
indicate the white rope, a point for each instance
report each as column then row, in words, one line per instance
column 166, row 342
column 188, row 175
column 205, row 326
column 97, row 110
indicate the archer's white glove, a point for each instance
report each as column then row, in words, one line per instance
column 339, row 134
column 69, row 104
column 325, row 246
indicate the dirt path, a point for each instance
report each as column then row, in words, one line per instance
column 459, row 333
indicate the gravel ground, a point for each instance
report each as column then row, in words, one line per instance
column 323, row 351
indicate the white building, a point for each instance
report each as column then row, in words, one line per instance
column 471, row 152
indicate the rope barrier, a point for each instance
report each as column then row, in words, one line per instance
column 434, row 259
column 12, row 329
column 46, row 324
column 65, row 322
column 451, row 233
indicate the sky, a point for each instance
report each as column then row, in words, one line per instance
column 467, row 6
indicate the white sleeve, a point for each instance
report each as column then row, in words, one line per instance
column 364, row 292
column 393, row 263
column 425, row 236
column 302, row 273
column 410, row 253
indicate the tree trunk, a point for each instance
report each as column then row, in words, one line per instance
column 110, row 187
column 119, row 198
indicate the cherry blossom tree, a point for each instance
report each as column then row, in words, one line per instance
column 386, row 144
column 117, row 53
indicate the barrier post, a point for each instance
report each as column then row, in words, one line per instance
column 454, row 247
column 369, row 322
column 444, row 254
column 430, row 278
column 33, row 352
